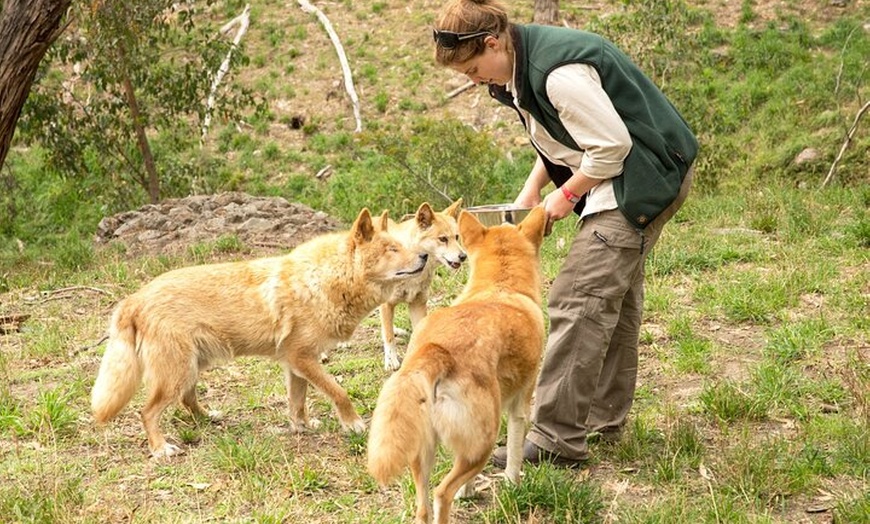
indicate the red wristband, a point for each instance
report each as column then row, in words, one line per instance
column 571, row 197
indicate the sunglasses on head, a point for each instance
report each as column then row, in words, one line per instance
column 449, row 39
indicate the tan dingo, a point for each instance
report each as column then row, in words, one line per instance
column 289, row 308
column 465, row 364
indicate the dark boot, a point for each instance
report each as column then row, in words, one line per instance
column 534, row 456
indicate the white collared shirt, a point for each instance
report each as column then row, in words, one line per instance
column 590, row 118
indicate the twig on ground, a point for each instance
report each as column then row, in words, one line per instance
column 88, row 347
column 461, row 89
column 75, row 288
column 846, row 143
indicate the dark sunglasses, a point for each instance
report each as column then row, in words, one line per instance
column 449, row 39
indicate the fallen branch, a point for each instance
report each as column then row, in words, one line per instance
column 243, row 20
column 345, row 68
column 75, row 288
column 88, row 347
column 461, row 89
column 846, row 143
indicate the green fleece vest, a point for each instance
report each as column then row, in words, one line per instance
column 663, row 146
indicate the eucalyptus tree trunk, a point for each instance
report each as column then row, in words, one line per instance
column 152, row 182
column 27, row 29
column 546, row 12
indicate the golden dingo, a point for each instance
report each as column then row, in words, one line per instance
column 437, row 235
column 466, row 363
column 289, row 308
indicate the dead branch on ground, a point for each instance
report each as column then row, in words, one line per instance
column 846, row 143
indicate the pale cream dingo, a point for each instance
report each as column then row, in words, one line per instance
column 289, row 308
column 428, row 232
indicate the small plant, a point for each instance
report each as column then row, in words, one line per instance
column 53, row 416
column 640, row 440
column 546, row 494
column 356, row 443
column 74, row 253
column 246, row 453
column 382, row 101
column 853, row 510
column 691, row 352
column 308, row 480
column 795, row 341
column 727, row 401
column 761, row 470
column 48, row 500
column 10, row 415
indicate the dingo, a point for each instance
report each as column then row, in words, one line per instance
column 466, row 363
column 290, row 308
column 437, row 235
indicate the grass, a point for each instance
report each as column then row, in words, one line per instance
column 752, row 403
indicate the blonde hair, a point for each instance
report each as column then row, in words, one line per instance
column 470, row 16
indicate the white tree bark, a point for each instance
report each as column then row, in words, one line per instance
column 243, row 21
column 348, row 78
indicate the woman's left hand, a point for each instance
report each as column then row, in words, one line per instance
column 557, row 206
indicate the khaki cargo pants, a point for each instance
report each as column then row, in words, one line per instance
column 589, row 370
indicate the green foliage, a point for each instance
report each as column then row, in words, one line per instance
column 308, row 480
column 135, row 65
column 10, row 414
column 433, row 161
column 853, row 510
column 547, row 494
column 53, row 416
column 204, row 252
column 793, row 342
column 764, row 471
column 729, row 401
column 691, row 352
column 640, row 439
column 245, row 453
column 47, row 500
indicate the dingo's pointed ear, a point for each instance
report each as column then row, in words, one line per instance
column 534, row 225
column 384, row 222
column 425, row 216
column 363, row 230
column 454, row 208
column 470, row 229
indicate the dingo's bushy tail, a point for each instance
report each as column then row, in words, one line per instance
column 120, row 371
column 401, row 428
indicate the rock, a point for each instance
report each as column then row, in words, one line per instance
column 174, row 224
column 806, row 156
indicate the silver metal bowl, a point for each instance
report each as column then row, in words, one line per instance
column 495, row 214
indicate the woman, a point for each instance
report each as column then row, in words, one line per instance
column 620, row 154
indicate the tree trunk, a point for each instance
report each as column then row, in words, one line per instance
column 546, row 12
column 139, row 128
column 27, row 29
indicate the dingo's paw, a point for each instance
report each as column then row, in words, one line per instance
column 304, row 426
column 391, row 358
column 168, row 450
column 355, row 426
